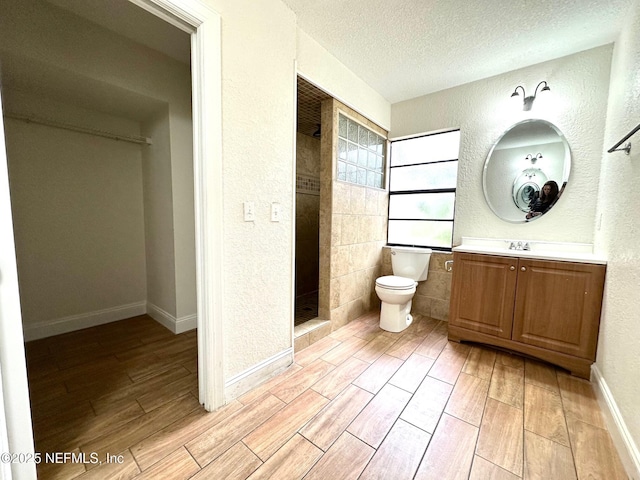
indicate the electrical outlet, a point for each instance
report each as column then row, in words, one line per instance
column 249, row 212
column 276, row 212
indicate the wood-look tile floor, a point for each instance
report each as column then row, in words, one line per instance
column 360, row 403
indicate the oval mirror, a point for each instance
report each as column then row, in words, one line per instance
column 526, row 171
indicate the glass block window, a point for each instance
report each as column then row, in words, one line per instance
column 422, row 190
column 361, row 154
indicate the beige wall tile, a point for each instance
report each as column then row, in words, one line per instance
column 440, row 309
column 421, row 305
column 301, row 343
column 341, row 198
column 436, row 262
column 356, row 309
column 357, row 199
column 371, row 201
column 436, row 285
column 358, row 256
column 339, row 317
column 348, row 288
column 383, row 203
column 349, row 230
column 319, row 333
column 336, row 229
column 340, row 260
column 336, row 289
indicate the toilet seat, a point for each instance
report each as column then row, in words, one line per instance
column 393, row 282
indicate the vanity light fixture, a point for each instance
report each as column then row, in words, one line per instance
column 533, row 159
column 528, row 101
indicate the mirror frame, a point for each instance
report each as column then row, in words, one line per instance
column 566, row 169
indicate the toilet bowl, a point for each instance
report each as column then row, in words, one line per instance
column 396, row 294
column 410, row 265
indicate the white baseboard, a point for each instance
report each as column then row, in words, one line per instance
column 176, row 325
column 622, row 439
column 258, row 374
column 49, row 328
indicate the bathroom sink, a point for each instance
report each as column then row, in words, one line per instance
column 562, row 251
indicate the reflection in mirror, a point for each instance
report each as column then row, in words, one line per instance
column 526, row 171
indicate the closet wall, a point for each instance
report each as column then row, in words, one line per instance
column 78, row 214
column 104, row 229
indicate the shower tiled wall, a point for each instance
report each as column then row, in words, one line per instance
column 307, row 213
column 432, row 296
column 353, row 222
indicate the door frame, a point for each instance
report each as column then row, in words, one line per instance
column 204, row 26
column 14, row 391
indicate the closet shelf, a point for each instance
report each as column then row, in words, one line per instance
column 75, row 128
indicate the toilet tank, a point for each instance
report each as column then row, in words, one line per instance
column 410, row 262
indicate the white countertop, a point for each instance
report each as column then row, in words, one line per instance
column 560, row 251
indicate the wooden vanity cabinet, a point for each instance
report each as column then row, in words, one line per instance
column 546, row 309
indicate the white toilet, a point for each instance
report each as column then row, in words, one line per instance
column 410, row 265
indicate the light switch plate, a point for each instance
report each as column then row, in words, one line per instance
column 276, row 212
column 249, row 212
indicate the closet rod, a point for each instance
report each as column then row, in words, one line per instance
column 75, row 128
column 627, row 147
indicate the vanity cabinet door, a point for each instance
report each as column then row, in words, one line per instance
column 558, row 305
column 483, row 291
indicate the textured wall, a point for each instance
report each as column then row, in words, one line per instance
column 353, row 230
column 307, row 217
column 258, row 128
column 317, row 65
column 483, row 110
column 618, row 231
column 158, row 215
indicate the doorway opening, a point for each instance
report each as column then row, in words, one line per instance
column 101, row 175
column 308, row 314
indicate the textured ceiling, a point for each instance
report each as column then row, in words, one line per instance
column 408, row 48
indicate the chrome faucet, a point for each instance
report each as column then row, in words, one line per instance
column 519, row 246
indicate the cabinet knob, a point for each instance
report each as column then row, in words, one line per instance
column 512, row 268
column 523, row 269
